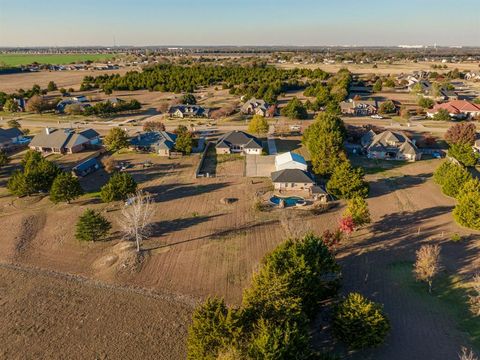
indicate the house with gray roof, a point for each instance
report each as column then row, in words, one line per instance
column 255, row 107
column 9, row 138
column 359, row 107
column 64, row 141
column 158, row 142
column 238, row 142
column 292, row 179
column 391, row 145
column 188, row 111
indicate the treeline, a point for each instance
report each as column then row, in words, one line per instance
column 106, row 108
column 258, row 80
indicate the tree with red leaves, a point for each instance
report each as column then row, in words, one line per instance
column 461, row 133
column 346, row 225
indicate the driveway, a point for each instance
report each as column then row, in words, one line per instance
column 259, row 165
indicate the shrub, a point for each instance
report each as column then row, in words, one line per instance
column 92, row 226
column 119, row 187
column 360, row 323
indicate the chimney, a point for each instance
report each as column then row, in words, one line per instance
column 48, row 131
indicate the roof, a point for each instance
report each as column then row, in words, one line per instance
column 160, row 139
column 289, row 156
column 194, row 110
column 291, row 176
column 252, row 144
column 87, row 164
column 254, row 103
column 458, row 107
column 239, row 138
column 9, row 134
column 392, row 141
column 89, row 134
column 59, row 138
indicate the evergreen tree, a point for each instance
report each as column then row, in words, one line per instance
column 119, row 187
column 442, row 115
column 377, row 87
column 51, row 86
column 464, row 153
column 295, row 110
column 116, row 139
column 451, row 177
column 258, row 125
column 357, row 209
column 4, row 159
column 184, row 141
column 65, row 187
column 92, row 226
column 347, row 182
column 189, row 99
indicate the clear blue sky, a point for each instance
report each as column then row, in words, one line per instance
column 239, row 22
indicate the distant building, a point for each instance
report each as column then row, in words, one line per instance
column 158, row 142
column 87, row 167
column 458, row 109
column 359, row 108
column 255, row 107
column 188, row 111
column 64, row 141
column 238, row 142
column 390, row 145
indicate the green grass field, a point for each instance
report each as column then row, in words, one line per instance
column 449, row 295
column 19, row 59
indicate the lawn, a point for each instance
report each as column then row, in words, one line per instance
column 25, row 59
column 449, row 296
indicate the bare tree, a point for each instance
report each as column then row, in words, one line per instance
column 427, row 264
column 475, row 297
column 467, row 354
column 136, row 219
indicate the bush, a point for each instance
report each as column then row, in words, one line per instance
column 360, row 323
column 65, row 187
column 119, row 187
column 92, row 226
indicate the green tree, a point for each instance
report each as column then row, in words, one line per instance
column 51, row 86
column 467, row 210
column 11, row 106
column 425, row 103
column 189, row 99
column 212, row 330
column 464, row 154
column 119, row 187
column 357, row 209
column 4, row 159
column 360, row 323
column 377, row 87
column 442, row 115
column 184, row 141
column 347, row 182
column 258, row 125
column 65, row 187
column 387, row 107
column 116, row 139
column 295, row 110
column 324, row 141
column 451, row 177
column 92, row 226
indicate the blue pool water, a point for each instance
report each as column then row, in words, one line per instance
column 289, row 201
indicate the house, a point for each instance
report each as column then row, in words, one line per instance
column 391, row 145
column 10, row 138
column 255, row 107
column 458, row 109
column 72, row 101
column 87, row 167
column 238, row 142
column 188, row 111
column 80, row 98
column 159, row 142
column 292, row 179
column 290, row 160
column 427, row 89
column 359, row 108
column 64, row 141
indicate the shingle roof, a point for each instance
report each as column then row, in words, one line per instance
column 10, row 132
column 160, row 139
column 238, row 138
column 89, row 134
column 59, row 138
column 291, row 176
column 458, row 106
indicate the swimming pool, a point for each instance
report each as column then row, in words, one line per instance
column 289, row 201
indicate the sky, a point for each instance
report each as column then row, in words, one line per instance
column 239, row 22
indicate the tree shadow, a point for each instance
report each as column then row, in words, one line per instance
column 169, row 192
column 387, row 185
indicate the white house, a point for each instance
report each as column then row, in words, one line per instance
column 290, row 160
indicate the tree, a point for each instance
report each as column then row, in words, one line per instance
column 387, row 107
column 324, row 141
column 136, row 219
column 36, row 104
column 74, row 109
column 116, row 139
column 211, row 331
column 347, row 182
column 189, row 99
column 184, row 141
column 153, row 126
column 360, row 323
column 11, row 106
column 425, row 103
column 92, row 226
column 357, row 209
column 427, row 264
column 65, row 187
column 442, row 115
column 377, row 87
column 4, row 159
column 63, row 91
column 451, row 177
column 13, row 124
column 51, row 86
column 464, row 154
column 109, row 164
column 295, row 110
column 461, row 133
column 258, row 125
column 467, row 209
column 118, row 187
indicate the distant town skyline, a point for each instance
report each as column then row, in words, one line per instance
column 242, row 23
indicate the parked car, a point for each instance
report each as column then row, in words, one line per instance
column 376, row 116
